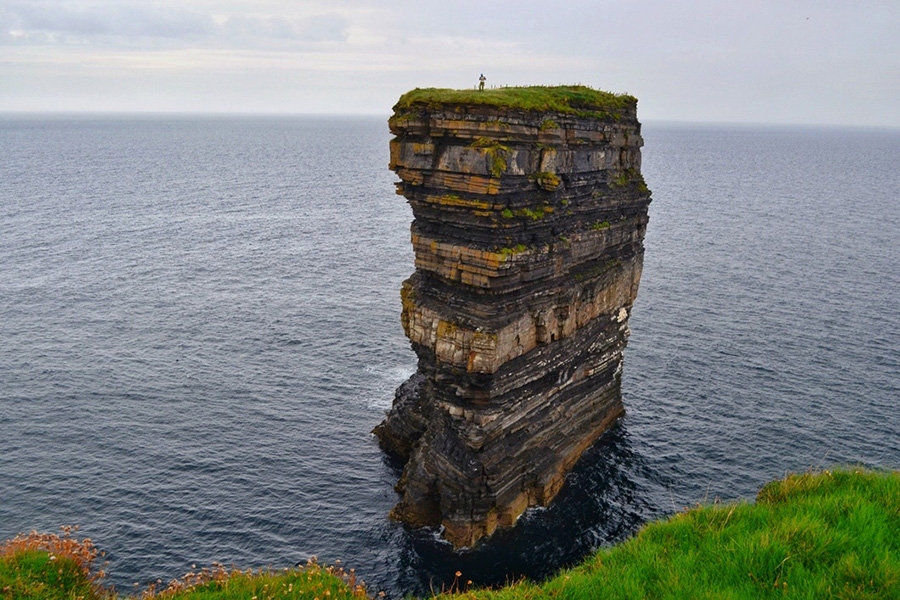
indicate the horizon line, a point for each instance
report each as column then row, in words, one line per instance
column 15, row 113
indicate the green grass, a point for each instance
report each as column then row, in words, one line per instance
column 49, row 567
column 512, row 250
column 40, row 566
column 497, row 153
column 309, row 582
column 621, row 181
column 834, row 534
column 575, row 99
column 549, row 124
column 827, row 535
column 35, row 574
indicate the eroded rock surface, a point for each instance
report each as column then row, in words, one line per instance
column 528, row 235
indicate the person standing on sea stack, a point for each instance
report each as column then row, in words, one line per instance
column 481, row 81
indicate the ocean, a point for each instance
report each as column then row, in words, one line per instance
column 199, row 327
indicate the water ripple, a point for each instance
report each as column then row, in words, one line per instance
column 200, row 325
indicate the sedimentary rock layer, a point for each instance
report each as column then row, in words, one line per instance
column 528, row 235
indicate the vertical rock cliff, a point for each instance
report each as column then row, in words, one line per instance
column 529, row 218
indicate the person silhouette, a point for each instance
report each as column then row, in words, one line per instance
column 481, row 81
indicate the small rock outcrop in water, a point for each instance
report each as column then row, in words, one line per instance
column 529, row 218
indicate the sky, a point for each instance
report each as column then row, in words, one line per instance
column 736, row 61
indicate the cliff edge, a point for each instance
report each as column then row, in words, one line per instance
column 529, row 217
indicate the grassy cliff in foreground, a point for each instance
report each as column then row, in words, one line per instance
column 577, row 100
column 834, row 534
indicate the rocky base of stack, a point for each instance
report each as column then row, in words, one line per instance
column 528, row 237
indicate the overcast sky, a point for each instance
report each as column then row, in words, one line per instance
column 763, row 61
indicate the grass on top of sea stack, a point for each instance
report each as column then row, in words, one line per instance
column 578, row 100
column 834, row 534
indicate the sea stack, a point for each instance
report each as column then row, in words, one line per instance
column 529, row 218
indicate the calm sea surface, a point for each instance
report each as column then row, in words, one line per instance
column 199, row 327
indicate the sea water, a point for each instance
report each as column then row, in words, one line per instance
column 199, row 327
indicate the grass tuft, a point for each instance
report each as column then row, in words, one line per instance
column 50, row 566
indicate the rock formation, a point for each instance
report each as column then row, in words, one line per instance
column 529, row 218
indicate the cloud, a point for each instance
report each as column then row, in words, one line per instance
column 132, row 25
column 64, row 24
column 747, row 60
column 316, row 28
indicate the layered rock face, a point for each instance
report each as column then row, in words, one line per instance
column 528, row 235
